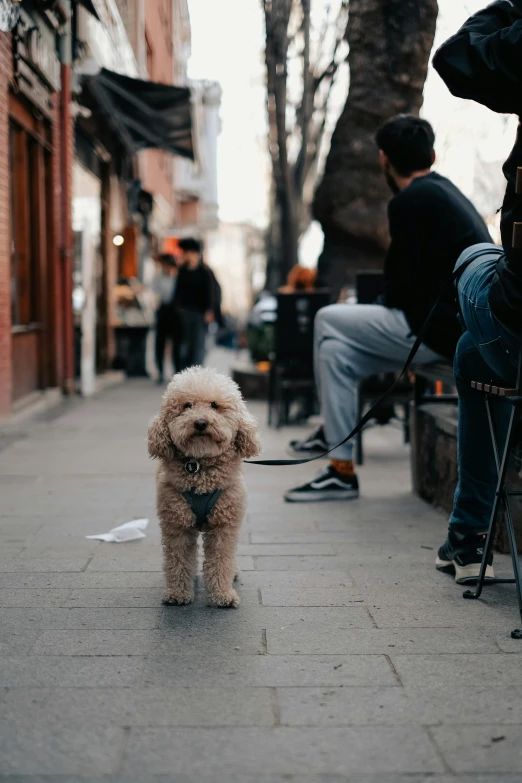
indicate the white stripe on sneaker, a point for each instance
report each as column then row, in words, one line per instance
column 331, row 481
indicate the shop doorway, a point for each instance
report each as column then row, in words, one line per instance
column 32, row 302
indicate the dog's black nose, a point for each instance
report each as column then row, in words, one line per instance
column 200, row 425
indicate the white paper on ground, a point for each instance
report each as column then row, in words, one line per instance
column 129, row 531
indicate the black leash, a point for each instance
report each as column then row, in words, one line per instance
column 367, row 416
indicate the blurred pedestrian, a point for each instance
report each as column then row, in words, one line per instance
column 195, row 302
column 167, row 321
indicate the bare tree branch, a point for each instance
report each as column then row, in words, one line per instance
column 297, row 124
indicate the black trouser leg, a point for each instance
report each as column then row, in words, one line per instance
column 161, row 340
column 176, row 353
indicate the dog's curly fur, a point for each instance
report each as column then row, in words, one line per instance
column 196, row 395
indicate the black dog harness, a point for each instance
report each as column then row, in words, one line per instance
column 201, row 503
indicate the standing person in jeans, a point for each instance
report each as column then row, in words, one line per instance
column 167, row 326
column 431, row 222
column 483, row 61
column 194, row 302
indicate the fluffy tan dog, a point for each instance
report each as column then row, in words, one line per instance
column 201, row 434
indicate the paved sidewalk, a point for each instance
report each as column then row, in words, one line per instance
column 350, row 658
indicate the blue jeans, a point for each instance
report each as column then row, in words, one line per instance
column 486, row 352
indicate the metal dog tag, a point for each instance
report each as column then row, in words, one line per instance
column 192, row 466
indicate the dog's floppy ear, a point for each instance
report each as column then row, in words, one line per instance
column 247, row 439
column 160, row 443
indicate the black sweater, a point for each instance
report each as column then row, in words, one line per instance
column 194, row 289
column 431, row 223
column 483, row 61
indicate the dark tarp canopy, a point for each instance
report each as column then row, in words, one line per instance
column 144, row 114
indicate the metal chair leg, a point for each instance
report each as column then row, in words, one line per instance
column 501, row 500
column 517, row 633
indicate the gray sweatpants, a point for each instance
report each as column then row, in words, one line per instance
column 352, row 342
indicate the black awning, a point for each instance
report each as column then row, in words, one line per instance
column 89, row 6
column 144, row 114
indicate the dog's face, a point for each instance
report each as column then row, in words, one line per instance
column 202, row 415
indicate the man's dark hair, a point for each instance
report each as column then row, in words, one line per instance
column 408, row 143
column 190, row 244
column 167, row 259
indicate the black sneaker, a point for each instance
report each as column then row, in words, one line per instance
column 462, row 556
column 313, row 445
column 327, row 485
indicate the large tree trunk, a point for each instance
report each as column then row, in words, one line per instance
column 390, row 43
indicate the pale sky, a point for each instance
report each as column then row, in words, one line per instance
column 227, row 41
column 227, row 45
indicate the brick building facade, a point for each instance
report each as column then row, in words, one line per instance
column 67, row 175
column 5, row 255
column 35, row 311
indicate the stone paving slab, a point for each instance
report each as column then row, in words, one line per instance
column 339, row 641
column 243, row 640
column 394, row 706
column 28, row 565
column 379, row 749
column 60, row 671
column 300, row 563
column 17, row 642
column 310, row 596
column 422, row 614
column 313, row 537
column 44, row 598
column 166, row 706
column 278, row 550
column 482, row 748
column 271, row 671
column 296, row 579
column 86, row 580
column 15, row 619
column 428, row 671
column 40, row 749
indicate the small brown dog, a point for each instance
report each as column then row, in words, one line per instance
column 201, row 434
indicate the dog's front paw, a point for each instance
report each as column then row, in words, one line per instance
column 177, row 599
column 229, row 600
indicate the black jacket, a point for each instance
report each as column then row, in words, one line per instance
column 483, row 62
column 194, row 289
column 431, row 223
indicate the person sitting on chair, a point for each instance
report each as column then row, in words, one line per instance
column 431, row 222
column 482, row 62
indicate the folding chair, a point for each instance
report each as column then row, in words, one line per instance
column 502, row 453
column 291, row 372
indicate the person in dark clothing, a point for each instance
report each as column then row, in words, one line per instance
column 194, row 301
column 483, row 62
column 167, row 325
column 430, row 224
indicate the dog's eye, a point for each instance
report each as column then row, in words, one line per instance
column 214, row 405
column 188, row 405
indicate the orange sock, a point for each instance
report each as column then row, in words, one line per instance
column 343, row 466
